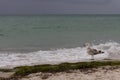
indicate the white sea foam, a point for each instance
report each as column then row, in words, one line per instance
column 10, row 60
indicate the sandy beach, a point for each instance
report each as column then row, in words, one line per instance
column 102, row 73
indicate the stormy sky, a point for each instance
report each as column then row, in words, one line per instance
column 59, row 7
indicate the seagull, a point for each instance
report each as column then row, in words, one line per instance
column 92, row 51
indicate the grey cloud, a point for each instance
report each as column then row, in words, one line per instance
column 59, row 6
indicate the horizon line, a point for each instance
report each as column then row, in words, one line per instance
column 56, row 14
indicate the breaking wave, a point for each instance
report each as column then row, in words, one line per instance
column 78, row 54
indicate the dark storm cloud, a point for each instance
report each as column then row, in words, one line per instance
column 59, row 6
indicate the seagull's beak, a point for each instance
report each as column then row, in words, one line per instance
column 101, row 52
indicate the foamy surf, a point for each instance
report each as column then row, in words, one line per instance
column 78, row 54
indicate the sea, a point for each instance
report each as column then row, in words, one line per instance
column 54, row 39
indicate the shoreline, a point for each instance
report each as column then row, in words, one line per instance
column 56, row 71
column 57, row 63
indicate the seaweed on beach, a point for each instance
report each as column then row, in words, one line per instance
column 26, row 70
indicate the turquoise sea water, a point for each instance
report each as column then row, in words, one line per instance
column 27, row 33
column 34, row 40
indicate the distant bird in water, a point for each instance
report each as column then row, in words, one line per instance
column 92, row 51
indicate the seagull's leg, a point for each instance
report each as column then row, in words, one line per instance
column 92, row 57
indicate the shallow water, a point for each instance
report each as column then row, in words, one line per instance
column 31, row 33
